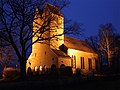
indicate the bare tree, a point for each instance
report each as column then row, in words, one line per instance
column 116, row 53
column 6, row 52
column 16, row 20
column 106, row 40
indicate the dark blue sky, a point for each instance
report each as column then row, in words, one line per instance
column 92, row 13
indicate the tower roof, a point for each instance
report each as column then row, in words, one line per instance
column 53, row 9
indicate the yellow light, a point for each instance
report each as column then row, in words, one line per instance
column 36, row 68
column 40, row 68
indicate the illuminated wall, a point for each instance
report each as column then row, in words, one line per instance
column 57, row 28
column 78, row 54
column 65, row 61
column 41, row 56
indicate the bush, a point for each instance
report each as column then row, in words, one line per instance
column 10, row 73
column 53, row 72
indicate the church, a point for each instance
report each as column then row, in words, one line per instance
column 60, row 51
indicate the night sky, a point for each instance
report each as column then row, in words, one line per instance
column 92, row 13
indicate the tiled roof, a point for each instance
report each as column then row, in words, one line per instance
column 77, row 44
column 60, row 53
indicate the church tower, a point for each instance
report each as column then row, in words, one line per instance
column 52, row 16
column 52, row 22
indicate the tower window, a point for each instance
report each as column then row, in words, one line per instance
column 53, row 59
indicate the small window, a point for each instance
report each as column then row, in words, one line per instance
column 73, row 61
column 45, row 52
column 82, row 63
column 53, row 59
column 44, row 68
column 90, row 63
column 36, row 69
column 29, row 63
column 40, row 68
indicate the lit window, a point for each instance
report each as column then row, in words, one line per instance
column 82, row 63
column 44, row 68
column 40, row 68
column 90, row 63
column 36, row 68
column 73, row 61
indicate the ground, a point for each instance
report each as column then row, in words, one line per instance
column 66, row 83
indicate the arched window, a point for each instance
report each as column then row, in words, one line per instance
column 29, row 71
column 44, row 68
column 36, row 68
column 53, row 66
column 62, row 66
column 40, row 68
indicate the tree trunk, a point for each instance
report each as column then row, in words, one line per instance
column 23, row 69
column 109, row 60
column 23, row 64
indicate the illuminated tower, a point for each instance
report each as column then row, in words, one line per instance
column 56, row 25
column 42, row 50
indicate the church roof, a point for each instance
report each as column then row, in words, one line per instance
column 60, row 53
column 54, row 9
column 77, row 44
